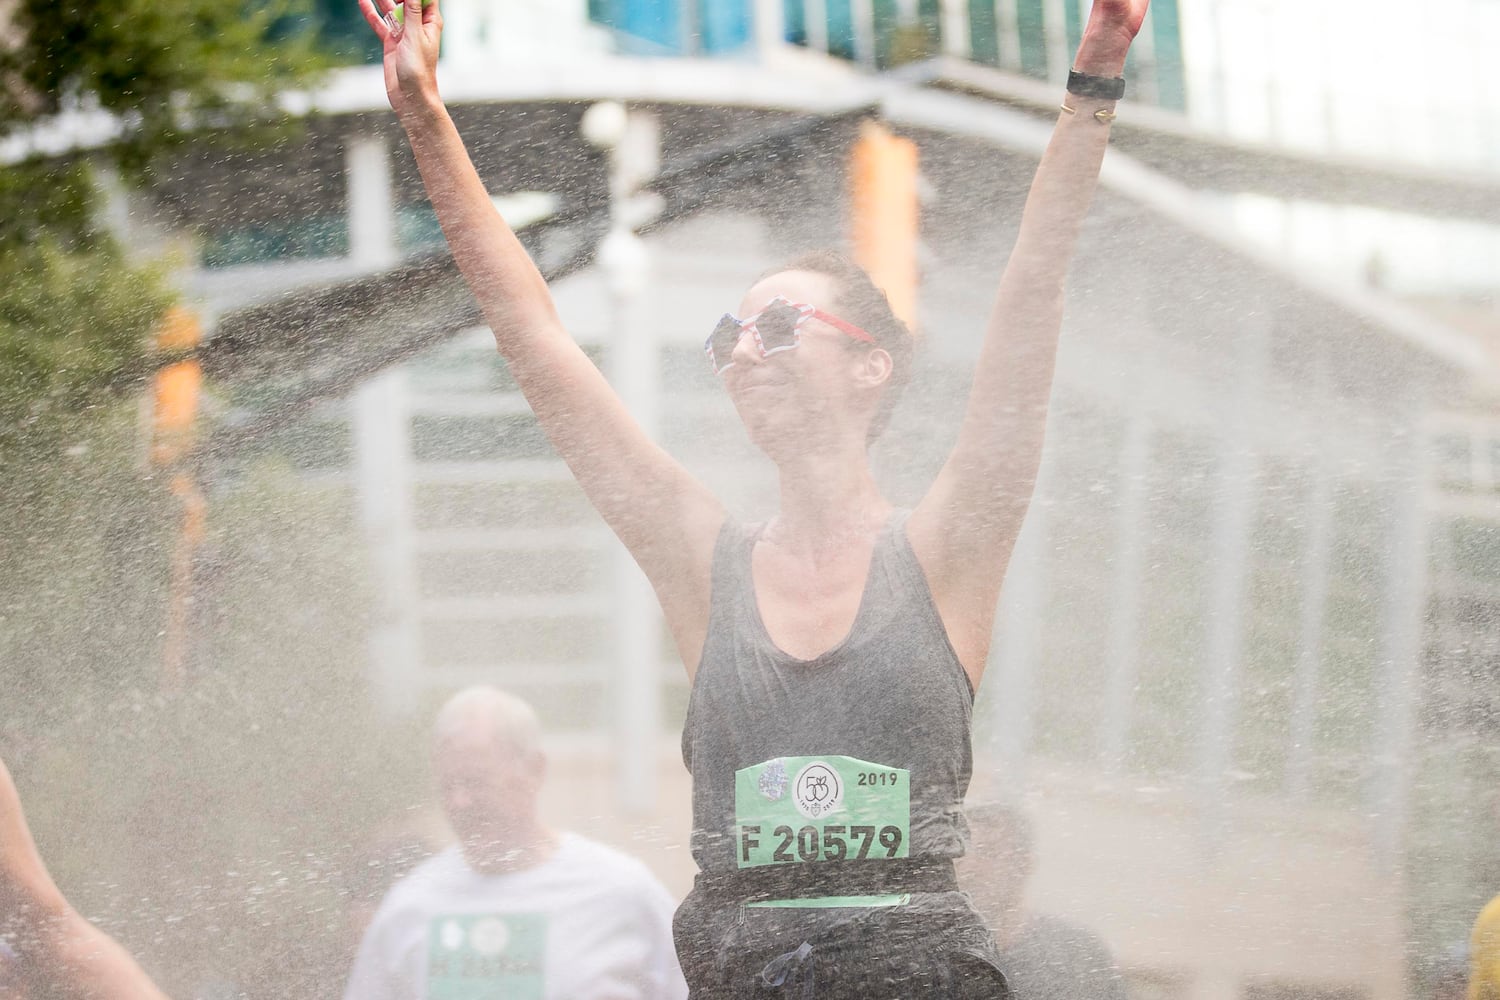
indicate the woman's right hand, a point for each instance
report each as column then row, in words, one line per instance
column 409, row 50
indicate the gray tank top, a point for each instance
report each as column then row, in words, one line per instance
column 892, row 694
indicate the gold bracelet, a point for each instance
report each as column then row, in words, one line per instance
column 1103, row 116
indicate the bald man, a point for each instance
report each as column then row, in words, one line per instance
column 45, row 942
column 515, row 908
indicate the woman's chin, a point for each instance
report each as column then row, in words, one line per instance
column 775, row 438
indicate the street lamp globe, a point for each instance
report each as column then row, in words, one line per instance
column 603, row 124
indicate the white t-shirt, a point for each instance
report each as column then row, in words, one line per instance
column 589, row 923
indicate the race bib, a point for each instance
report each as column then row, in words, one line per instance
column 794, row 809
column 478, row 956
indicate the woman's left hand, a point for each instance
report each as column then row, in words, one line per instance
column 409, row 49
column 1112, row 26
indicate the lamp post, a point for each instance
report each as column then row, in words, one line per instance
column 632, row 357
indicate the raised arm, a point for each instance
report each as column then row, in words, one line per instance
column 58, row 948
column 964, row 529
column 665, row 516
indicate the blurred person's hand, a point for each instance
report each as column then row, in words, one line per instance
column 409, row 51
column 54, row 945
column 25, row 886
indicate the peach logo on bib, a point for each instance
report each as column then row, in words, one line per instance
column 817, row 790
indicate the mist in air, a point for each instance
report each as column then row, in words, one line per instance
column 1239, row 728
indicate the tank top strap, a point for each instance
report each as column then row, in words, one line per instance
column 894, row 555
column 732, row 588
column 730, row 571
column 905, row 583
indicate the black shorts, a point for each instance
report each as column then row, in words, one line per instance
column 933, row 946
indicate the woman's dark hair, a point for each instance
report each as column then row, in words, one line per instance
column 862, row 303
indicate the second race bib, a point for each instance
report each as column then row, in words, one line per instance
column 793, row 809
column 486, row 956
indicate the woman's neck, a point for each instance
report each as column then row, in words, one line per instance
column 826, row 504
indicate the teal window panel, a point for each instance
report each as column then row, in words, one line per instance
column 888, row 43
column 343, row 29
column 984, row 33
column 645, row 27
column 1031, row 25
column 290, row 239
column 794, row 21
column 1166, row 34
column 417, row 228
column 930, row 17
column 723, row 25
column 656, row 21
column 841, row 29
column 1073, row 18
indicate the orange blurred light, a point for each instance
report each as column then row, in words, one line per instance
column 174, row 408
column 883, row 201
column 178, row 330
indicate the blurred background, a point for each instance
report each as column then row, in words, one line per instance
column 268, row 496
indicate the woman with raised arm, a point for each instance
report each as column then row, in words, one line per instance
column 50, row 945
column 834, row 649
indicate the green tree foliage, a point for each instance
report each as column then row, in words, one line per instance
column 245, row 796
column 167, row 68
column 75, row 306
column 229, row 830
column 74, row 310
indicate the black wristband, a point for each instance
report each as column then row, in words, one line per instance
column 1109, row 88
